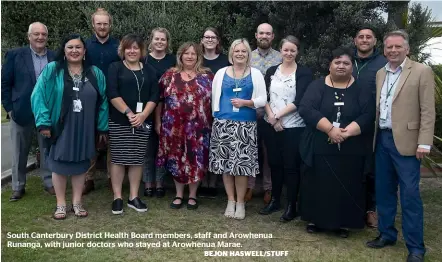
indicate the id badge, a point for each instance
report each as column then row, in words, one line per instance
column 336, row 124
column 383, row 115
column 339, row 103
column 77, row 105
column 237, row 89
column 235, row 109
column 139, row 107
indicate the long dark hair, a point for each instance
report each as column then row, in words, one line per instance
column 60, row 59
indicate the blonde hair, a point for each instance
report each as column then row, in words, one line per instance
column 237, row 42
column 101, row 11
column 199, row 68
column 168, row 38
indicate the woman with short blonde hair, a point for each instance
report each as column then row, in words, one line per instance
column 236, row 93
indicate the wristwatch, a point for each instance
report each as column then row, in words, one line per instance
column 127, row 111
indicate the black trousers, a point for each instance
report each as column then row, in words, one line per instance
column 284, row 160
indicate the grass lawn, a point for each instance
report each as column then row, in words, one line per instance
column 33, row 214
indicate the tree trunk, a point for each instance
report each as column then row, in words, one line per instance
column 397, row 13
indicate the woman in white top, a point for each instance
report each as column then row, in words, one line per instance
column 286, row 84
column 237, row 91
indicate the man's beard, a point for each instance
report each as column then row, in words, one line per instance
column 102, row 34
column 263, row 44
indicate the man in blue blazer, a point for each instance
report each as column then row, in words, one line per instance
column 19, row 75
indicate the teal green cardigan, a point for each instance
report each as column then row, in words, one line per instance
column 47, row 97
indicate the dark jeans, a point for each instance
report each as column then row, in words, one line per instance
column 393, row 169
column 284, row 160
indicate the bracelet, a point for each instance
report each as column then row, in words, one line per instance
column 330, row 130
column 127, row 111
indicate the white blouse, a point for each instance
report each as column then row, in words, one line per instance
column 283, row 92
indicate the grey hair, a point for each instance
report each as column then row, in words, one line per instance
column 400, row 33
column 237, row 42
column 31, row 25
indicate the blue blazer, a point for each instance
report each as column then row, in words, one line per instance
column 18, row 81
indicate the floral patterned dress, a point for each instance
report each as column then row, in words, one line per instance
column 186, row 124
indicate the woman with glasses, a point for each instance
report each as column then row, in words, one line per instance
column 215, row 60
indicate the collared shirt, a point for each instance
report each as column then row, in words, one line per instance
column 39, row 61
column 102, row 54
column 264, row 61
column 387, row 93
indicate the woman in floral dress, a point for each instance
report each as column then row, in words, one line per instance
column 185, row 119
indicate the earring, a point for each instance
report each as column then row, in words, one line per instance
column 84, row 57
column 64, row 57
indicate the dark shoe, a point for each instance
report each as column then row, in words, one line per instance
column 273, row 206
column 289, row 213
column 117, row 206
column 372, row 219
column 312, row 229
column 160, row 192
column 88, row 187
column 267, row 197
column 17, row 195
column 149, row 192
column 177, row 206
column 415, row 258
column 194, row 206
column 342, row 232
column 50, row 190
column 379, row 242
column 137, row 204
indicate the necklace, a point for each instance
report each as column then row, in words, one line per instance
column 188, row 74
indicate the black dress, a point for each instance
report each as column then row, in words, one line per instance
column 216, row 64
column 333, row 189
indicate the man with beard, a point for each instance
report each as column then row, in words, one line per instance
column 19, row 74
column 102, row 50
column 368, row 60
column 263, row 58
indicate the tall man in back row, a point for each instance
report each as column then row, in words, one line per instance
column 19, row 74
column 368, row 60
column 405, row 127
column 263, row 58
column 102, row 50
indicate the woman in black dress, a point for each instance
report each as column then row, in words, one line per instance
column 339, row 113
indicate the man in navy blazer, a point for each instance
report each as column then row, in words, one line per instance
column 19, row 75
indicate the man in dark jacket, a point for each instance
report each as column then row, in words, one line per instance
column 102, row 50
column 367, row 62
column 19, row 75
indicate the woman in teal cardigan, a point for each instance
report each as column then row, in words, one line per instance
column 70, row 108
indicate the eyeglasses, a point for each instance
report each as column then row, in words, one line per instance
column 210, row 37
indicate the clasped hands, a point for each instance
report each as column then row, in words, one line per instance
column 136, row 120
column 338, row 135
column 277, row 124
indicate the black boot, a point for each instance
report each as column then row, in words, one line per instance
column 289, row 213
column 273, row 206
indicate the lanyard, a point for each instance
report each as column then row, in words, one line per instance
column 362, row 67
column 238, row 81
column 138, row 83
column 391, row 87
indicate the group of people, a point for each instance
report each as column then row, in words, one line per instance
column 202, row 114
